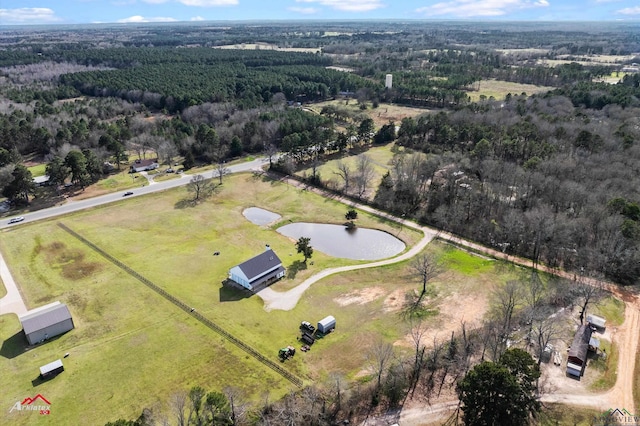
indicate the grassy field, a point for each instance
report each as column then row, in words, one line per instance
column 132, row 349
column 499, row 89
column 563, row 415
column 380, row 116
column 380, row 155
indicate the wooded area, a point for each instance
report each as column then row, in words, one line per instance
column 552, row 177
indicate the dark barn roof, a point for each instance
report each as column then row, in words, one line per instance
column 44, row 317
column 580, row 345
column 257, row 266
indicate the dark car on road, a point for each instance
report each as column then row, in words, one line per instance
column 126, row 194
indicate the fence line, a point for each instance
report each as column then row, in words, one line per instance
column 189, row 310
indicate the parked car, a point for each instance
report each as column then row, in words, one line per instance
column 305, row 325
column 126, row 194
column 16, row 219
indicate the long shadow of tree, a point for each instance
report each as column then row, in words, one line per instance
column 293, row 269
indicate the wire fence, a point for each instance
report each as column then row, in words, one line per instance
column 188, row 309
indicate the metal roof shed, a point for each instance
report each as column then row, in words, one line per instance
column 580, row 346
column 326, row 324
column 46, row 321
column 52, row 369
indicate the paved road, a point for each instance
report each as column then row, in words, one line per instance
column 12, row 302
column 73, row 206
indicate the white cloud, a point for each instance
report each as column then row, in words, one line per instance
column 197, row 18
column 304, row 10
column 139, row 19
column 208, row 3
column 629, row 11
column 348, row 5
column 154, row 1
column 28, row 15
column 471, row 8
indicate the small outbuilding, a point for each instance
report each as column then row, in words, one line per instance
column 52, row 369
column 596, row 321
column 577, row 358
column 258, row 271
column 327, row 324
column 46, row 322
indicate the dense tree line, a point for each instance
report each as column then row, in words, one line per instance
column 534, row 177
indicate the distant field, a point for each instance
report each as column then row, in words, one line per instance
column 380, row 116
column 267, row 46
column 499, row 89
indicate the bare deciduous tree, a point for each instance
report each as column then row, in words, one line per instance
column 178, row 402
column 344, row 171
column 364, row 174
column 378, row 358
column 425, row 267
column 200, row 187
column 586, row 294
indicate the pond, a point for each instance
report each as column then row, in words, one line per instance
column 335, row 240
column 260, row 216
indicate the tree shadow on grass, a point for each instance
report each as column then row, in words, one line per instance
column 230, row 292
column 293, row 269
column 13, row 346
column 186, row 203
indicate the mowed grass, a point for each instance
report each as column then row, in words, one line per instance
column 566, row 415
column 381, row 157
column 607, row 366
column 499, row 89
column 131, row 348
column 384, row 114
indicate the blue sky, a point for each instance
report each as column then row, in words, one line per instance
column 14, row 12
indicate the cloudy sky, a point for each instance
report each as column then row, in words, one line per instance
column 14, row 12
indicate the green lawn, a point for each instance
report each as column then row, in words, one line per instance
column 132, row 349
column 38, row 170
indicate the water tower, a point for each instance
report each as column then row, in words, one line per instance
column 388, row 81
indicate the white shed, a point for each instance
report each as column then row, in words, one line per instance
column 46, row 322
column 596, row 321
column 325, row 325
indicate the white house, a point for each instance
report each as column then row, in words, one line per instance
column 144, row 165
column 258, row 271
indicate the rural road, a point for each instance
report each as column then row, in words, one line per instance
column 73, row 206
column 627, row 338
column 13, row 302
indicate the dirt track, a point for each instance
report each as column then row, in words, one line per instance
column 627, row 336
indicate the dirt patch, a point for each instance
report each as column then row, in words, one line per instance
column 454, row 310
column 360, row 297
column 71, row 262
column 394, row 301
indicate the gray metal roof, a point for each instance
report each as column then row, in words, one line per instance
column 51, row 366
column 580, row 344
column 45, row 316
column 258, row 265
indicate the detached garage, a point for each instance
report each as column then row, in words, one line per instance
column 46, row 322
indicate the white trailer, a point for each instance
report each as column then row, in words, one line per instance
column 597, row 321
column 326, row 324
